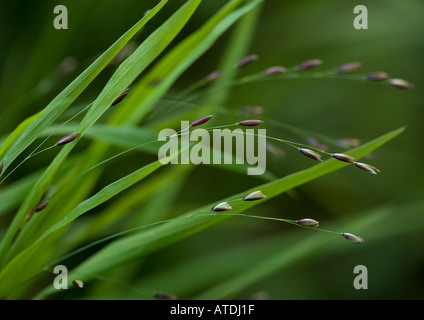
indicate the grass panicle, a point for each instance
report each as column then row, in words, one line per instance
column 200, row 121
column 69, row 138
column 250, row 123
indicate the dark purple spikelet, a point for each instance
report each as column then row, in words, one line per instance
column 165, row 296
column 274, row 70
column 400, row 83
column 343, row 157
column 348, row 67
column 250, row 123
column 311, row 154
column 121, row 97
column 309, row 64
column 212, row 76
column 41, row 206
column 200, row 121
column 247, row 60
column 69, row 138
column 377, row 76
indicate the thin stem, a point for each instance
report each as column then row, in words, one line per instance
column 34, row 152
column 200, row 214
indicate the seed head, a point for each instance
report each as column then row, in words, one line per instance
column 255, row 195
column 309, row 64
column 250, row 123
column 121, row 97
column 200, row 121
column 308, row 222
column 212, row 76
column 352, row 238
column 247, row 60
column 348, row 67
column 67, row 139
column 165, row 296
column 311, row 154
column 274, row 70
column 343, row 157
column 367, row 167
column 377, row 76
column 41, row 206
column 78, row 284
column 223, row 206
column 400, row 83
column 252, row 110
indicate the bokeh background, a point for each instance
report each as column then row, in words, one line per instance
column 287, row 33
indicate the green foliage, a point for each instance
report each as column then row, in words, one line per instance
column 114, row 209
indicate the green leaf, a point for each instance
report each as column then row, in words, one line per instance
column 122, row 78
column 32, row 127
column 9, row 277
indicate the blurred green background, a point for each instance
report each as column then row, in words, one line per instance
column 287, row 33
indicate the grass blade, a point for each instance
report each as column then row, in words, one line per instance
column 31, row 128
column 122, row 78
column 145, row 242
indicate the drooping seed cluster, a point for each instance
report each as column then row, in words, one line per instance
column 395, row 82
column 38, row 208
column 252, row 196
column 305, row 222
column 341, row 157
column 348, row 67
